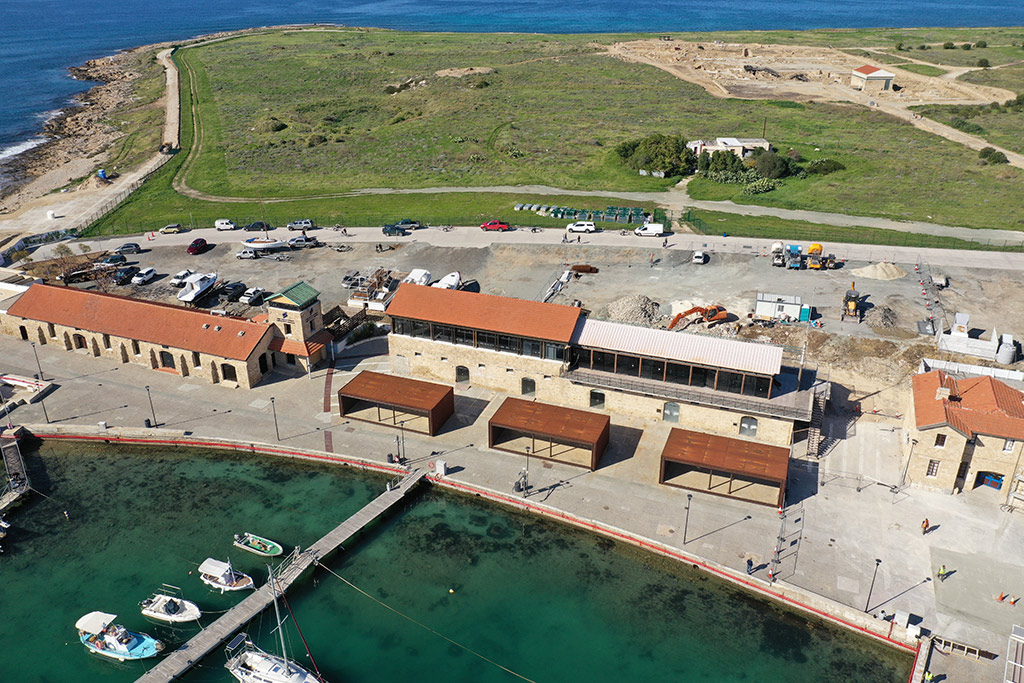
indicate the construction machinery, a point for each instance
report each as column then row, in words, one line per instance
column 779, row 254
column 851, row 304
column 814, row 259
column 794, row 256
column 709, row 315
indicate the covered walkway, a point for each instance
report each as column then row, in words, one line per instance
column 397, row 402
column 549, row 432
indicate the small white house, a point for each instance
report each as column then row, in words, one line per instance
column 741, row 147
column 777, row 306
column 871, row 78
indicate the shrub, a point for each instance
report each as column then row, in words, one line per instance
column 771, row 165
column 658, row 152
column 703, row 161
column 991, row 155
column 740, row 177
column 314, row 140
column 762, row 185
column 965, row 46
column 271, row 125
column 981, row 43
column 725, row 162
column 948, row 45
column 795, row 155
column 923, row 47
column 967, row 126
column 824, row 166
column 365, row 331
column 984, row 63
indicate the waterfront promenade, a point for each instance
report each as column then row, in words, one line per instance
column 838, row 522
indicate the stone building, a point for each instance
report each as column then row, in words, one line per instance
column 871, row 79
column 298, row 319
column 741, row 147
column 963, row 434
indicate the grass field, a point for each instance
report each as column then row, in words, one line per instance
column 1009, row 77
column 1001, row 128
column 551, row 113
column 143, row 118
column 716, row 223
column 923, row 69
column 995, row 54
column 867, row 37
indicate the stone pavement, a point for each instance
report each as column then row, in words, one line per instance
column 838, row 519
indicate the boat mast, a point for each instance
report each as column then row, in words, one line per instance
column 280, row 628
column 263, row 214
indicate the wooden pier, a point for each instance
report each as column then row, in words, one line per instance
column 179, row 661
column 19, row 483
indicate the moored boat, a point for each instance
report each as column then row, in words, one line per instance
column 449, row 281
column 258, row 544
column 197, row 286
column 266, row 243
column 417, row 276
column 222, row 576
column 171, row 608
column 102, row 636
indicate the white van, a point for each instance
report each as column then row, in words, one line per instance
column 650, row 230
column 224, row 224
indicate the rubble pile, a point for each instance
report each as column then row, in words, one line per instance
column 635, row 310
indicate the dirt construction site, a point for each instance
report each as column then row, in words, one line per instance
column 647, row 285
column 781, row 72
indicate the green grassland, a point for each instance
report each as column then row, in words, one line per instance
column 923, row 69
column 1009, row 77
column 1003, row 128
column 142, row 117
column 867, row 37
column 551, row 113
column 995, row 54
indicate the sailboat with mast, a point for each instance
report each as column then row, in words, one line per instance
column 249, row 664
column 266, row 242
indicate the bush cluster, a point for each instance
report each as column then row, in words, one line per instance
column 658, row 152
column 990, row 155
column 824, row 166
column 742, row 177
column 966, row 126
column 762, row 185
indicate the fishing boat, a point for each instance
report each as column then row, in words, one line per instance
column 222, row 576
column 167, row 607
column 102, row 636
column 417, row 276
column 449, row 281
column 265, row 243
column 196, row 287
column 258, row 544
column 249, row 664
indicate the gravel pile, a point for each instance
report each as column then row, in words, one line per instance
column 880, row 271
column 881, row 316
column 635, row 310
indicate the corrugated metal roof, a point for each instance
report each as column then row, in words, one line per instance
column 730, row 354
column 300, row 295
column 486, row 312
column 147, row 321
column 397, row 391
column 556, row 422
column 723, row 454
column 779, row 298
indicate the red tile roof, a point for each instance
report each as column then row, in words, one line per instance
column 976, row 405
column 312, row 345
column 867, row 69
column 146, row 321
column 499, row 314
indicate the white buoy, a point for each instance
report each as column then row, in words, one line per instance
column 451, row 591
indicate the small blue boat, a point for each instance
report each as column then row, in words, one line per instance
column 102, row 636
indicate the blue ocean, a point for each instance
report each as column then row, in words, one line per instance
column 39, row 39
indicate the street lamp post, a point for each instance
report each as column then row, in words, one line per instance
column 401, row 450
column 686, row 524
column 38, row 366
column 7, row 410
column 526, row 477
column 868, row 601
column 273, row 408
column 151, row 409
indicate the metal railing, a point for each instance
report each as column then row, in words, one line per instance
column 675, row 392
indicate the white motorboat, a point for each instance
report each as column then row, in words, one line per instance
column 449, row 281
column 196, row 287
column 102, row 636
column 417, row 276
column 172, row 608
column 249, row 664
column 222, row 576
column 265, row 243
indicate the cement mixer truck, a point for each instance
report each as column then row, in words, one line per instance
column 779, row 255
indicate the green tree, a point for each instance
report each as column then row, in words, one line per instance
column 725, row 162
column 948, row 45
column 984, row 63
column 980, row 43
column 703, row 161
column 965, row 46
column 659, row 152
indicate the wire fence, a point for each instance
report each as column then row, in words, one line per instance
column 113, row 202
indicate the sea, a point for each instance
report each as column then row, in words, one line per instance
column 40, row 39
column 446, row 588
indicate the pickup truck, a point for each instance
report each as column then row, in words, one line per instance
column 392, row 230
column 303, row 241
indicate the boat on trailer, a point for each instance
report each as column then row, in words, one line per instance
column 222, row 576
column 165, row 606
column 103, row 637
column 260, row 545
column 196, row 287
column 449, row 281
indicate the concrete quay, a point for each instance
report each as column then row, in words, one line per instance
column 838, row 520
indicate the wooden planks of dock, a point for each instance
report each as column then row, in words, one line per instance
column 182, row 659
column 19, row 483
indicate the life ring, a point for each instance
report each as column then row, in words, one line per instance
column 431, row 465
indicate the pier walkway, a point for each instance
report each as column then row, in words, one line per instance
column 179, row 661
column 15, row 465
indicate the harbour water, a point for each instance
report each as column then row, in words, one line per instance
column 548, row 602
column 39, row 39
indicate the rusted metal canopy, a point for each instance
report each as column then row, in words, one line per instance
column 400, row 392
column 554, row 422
column 722, row 454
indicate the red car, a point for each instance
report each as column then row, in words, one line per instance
column 495, row 225
column 198, row 246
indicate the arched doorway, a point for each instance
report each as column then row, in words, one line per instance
column 124, row 354
column 461, row 373
column 42, row 336
column 748, row 426
column 79, row 341
column 263, row 363
column 670, row 412
column 227, row 371
column 183, row 365
column 67, row 342
column 95, row 347
column 166, row 360
column 214, row 375
column 24, row 333
column 528, row 386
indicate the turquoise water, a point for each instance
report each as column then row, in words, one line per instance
column 551, row 603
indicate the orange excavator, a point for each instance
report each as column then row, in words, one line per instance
column 709, row 315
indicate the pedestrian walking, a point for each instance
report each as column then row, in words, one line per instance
column 579, row 239
column 928, row 677
column 652, row 259
column 664, row 243
column 942, row 574
column 925, row 525
column 750, row 566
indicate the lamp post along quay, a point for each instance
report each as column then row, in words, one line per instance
column 686, row 524
column 39, row 368
column 151, row 409
column 872, row 588
column 273, row 409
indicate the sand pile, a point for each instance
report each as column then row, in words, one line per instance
column 881, row 316
column 635, row 310
column 880, row 271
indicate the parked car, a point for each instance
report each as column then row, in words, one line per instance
column 124, row 275
column 114, row 260
column 144, row 276
column 409, row 224
column 700, row 257
column 248, row 253
column 253, row 296
column 224, row 224
column 233, row 291
column 198, row 246
column 495, row 225
column 302, row 224
column 128, row 248
column 581, row 226
column 303, row 241
column 650, row 230
column 179, row 278
column 170, row 229
column 394, row 231
column 257, row 225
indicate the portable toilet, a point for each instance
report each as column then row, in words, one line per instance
column 805, row 313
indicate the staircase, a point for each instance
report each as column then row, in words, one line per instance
column 814, row 430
